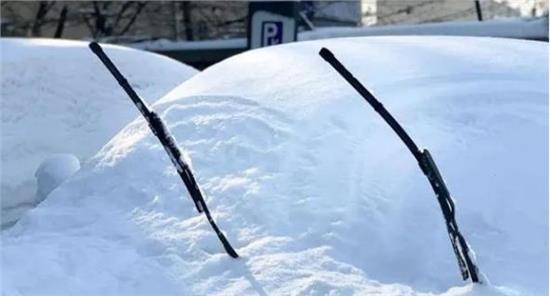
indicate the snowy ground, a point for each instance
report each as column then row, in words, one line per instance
column 57, row 98
column 312, row 188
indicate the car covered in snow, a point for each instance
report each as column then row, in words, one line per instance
column 57, row 100
column 313, row 189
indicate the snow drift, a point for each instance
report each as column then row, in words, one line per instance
column 57, row 99
column 312, row 188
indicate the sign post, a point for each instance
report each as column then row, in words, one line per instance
column 271, row 23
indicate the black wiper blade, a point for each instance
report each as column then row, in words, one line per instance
column 466, row 263
column 168, row 142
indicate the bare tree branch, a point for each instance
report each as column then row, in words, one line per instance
column 121, row 12
column 139, row 8
column 88, row 23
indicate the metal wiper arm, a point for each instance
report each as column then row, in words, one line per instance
column 168, row 142
column 466, row 263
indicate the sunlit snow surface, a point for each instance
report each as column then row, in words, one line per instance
column 57, row 98
column 312, row 188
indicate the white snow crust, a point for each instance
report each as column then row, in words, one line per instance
column 57, row 97
column 312, row 188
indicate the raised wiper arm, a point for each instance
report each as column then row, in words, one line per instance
column 168, row 142
column 466, row 263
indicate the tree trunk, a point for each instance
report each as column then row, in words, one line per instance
column 100, row 29
column 61, row 23
column 186, row 9
column 43, row 8
column 177, row 20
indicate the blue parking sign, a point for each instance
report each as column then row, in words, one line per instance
column 271, row 23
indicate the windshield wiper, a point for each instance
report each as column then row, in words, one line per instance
column 465, row 259
column 168, row 142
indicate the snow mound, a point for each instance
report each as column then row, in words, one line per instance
column 57, row 97
column 53, row 171
column 314, row 191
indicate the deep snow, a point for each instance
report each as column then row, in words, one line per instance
column 312, row 188
column 56, row 98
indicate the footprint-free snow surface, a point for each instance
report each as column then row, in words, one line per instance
column 57, row 98
column 312, row 188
